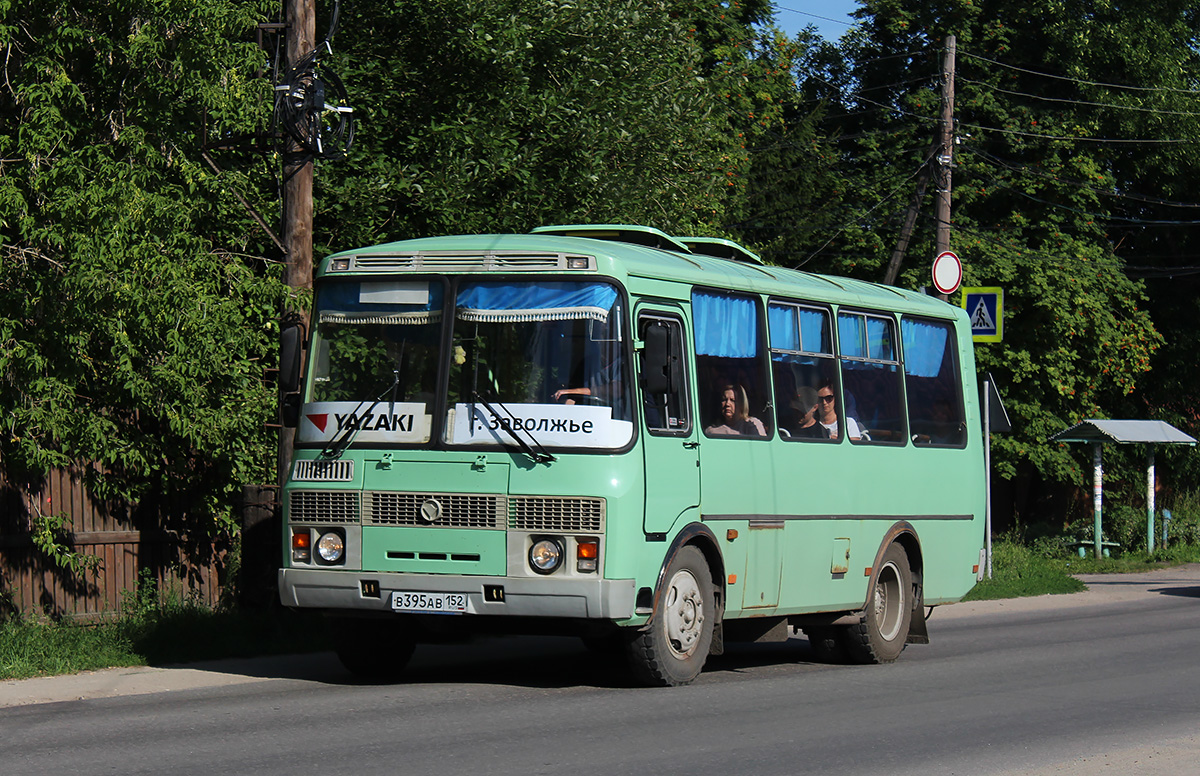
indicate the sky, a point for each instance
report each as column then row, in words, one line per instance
column 831, row 17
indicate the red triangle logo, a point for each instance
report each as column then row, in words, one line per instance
column 319, row 420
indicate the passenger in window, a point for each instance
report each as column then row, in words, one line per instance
column 807, row 405
column 945, row 431
column 734, row 415
column 827, row 415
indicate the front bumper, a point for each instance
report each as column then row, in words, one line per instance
column 598, row 599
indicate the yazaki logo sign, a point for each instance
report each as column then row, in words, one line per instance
column 385, row 422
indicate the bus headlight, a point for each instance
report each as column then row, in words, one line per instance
column 545, row 556
column 331, row 547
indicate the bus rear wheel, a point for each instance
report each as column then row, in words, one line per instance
column 374, row 650
column 674, row 645
column 881, row 635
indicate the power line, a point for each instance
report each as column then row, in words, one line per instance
column 984, row 155
column 1078, row 102
column 1080, row 81
column 1075, row 138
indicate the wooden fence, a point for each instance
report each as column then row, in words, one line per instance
column 128, row 540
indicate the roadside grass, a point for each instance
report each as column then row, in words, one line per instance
column 154, row 632
column 1019, row 570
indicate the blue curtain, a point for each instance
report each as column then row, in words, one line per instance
column 852, row 339
column 879, row 339
column 520, row 302
column 813, row 328
column 781, row 320
column 924, row 347
column 725, row 325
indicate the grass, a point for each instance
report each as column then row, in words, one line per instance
column 1019, row 570
column 153, row 630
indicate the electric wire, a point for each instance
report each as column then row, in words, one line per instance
column 1155, row 111
column 966, row 53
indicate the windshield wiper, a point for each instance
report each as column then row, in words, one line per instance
column 338, row 444
column 540, row 455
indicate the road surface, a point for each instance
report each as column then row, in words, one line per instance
column 1106, row 681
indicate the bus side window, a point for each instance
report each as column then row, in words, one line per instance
column 933, row 383
column 802, row 362
column 662, row 377
column 732, row 372
column 871, row 378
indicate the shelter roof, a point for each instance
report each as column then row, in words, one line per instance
column 1124, row 432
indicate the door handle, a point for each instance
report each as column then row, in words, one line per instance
column 691, row 445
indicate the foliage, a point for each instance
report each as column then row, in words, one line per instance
column 136, row 315
column 49, row 535
column 1054, row 197
column 544, row 111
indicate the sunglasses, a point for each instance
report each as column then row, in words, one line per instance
column 826, row 399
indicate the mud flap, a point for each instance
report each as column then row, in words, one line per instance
column 918, row 632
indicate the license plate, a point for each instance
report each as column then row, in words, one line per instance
column 429, row 603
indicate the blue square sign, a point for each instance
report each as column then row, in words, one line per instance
column 985, row 306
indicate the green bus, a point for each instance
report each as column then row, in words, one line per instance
column 659, row 444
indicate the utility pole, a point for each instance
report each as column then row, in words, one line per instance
column 300, row 16
column 910, row 220
column 945, row 159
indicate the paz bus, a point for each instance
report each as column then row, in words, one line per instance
column 659, row 444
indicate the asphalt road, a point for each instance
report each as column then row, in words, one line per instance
column 1105, row 681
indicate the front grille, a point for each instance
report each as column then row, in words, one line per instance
column 548, row 513
column 457, row 510
column 323, row 506
column 467, row 262
column 323, row 471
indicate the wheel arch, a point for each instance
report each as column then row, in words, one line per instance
column 701, row 537
column 904, row 534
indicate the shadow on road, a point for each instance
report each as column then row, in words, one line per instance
column 1183, row 592
column 523, row 661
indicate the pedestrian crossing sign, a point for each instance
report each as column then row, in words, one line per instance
column 985, row 306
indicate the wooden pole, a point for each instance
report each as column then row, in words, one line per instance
column 297, row 192
column 946, row 158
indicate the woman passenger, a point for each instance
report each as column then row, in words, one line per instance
column 734, row 415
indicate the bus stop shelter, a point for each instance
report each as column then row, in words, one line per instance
column 1123, row 432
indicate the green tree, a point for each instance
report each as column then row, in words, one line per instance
column 136, row 310
column 503, row 115
column 1046, row 156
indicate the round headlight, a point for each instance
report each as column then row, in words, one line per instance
column 330, row 547
column 545, row 556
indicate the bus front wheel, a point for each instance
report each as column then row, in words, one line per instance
column 672, row 648
column 374, row 650
column 881, row 635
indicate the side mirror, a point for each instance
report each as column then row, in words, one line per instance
column 289, row 410
column 657, row 364
column 291, row 345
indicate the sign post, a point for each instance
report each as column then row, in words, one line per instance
column 985, row 305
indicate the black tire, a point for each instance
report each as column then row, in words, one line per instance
column 674, row 645
column 827, row 644
column 881, row 635
column 374, row 650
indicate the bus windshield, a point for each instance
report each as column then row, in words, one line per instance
column 375, row 361
column 543, row 361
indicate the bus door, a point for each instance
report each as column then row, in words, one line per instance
column 669, row 446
